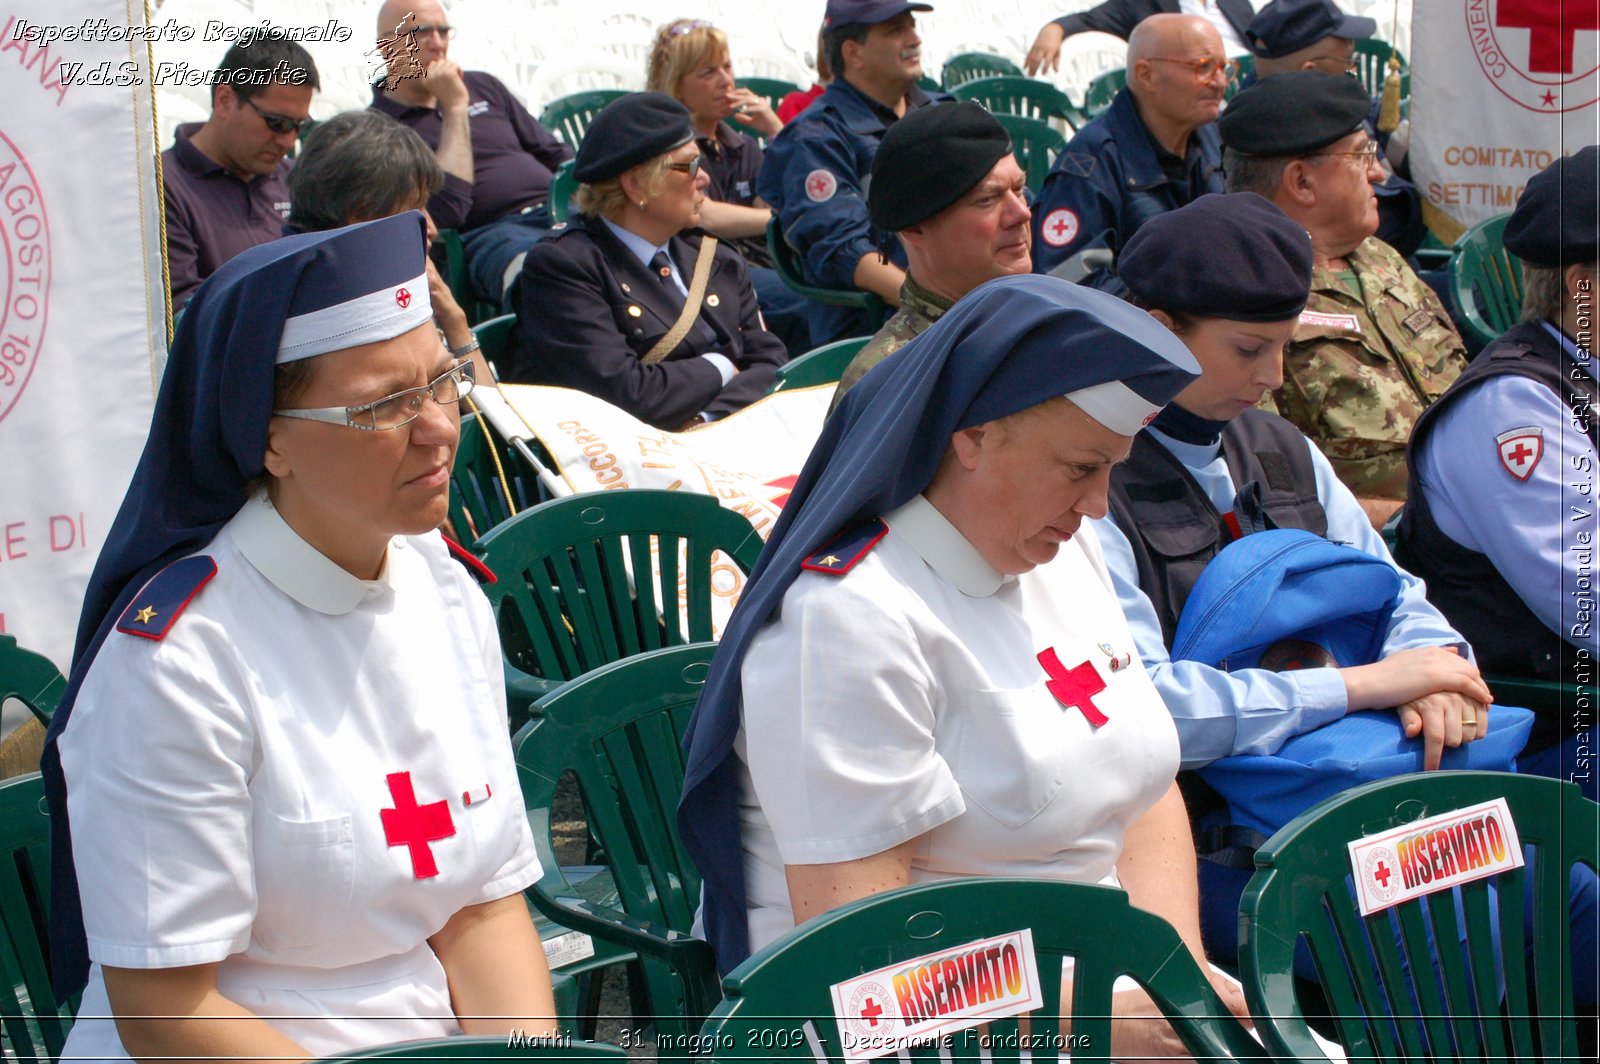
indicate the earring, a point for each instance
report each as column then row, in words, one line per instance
column 641, row 205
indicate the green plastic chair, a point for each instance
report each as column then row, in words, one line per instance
column 569, row 116
column 460, row 282
column 483, row 1047
column 617, row 731
column 563, row 187
column 35, row 1027
column 1372, row 66
column 1454, row 1010
column 1004, row 94
column 490, row 482
column 30, row 678
column 493, row 336
column 1486, row 280
column 821, row 365
column 967, row 66
column 787, row 263
column 1102, row 90
column 1035, row 145
column 779, row 999
column 565, row 601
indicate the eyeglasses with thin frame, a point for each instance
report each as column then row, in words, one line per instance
column 692, row 167
column 444, row 31
column 281, row 123
column 393, row 411
column 1365, row 156
column 1203, row 68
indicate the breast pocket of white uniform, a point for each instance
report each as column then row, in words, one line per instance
column 1008, row 751
column 305, row 876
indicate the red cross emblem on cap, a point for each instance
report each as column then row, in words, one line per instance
column 415, row 826
column 1074, row 687
column 1520, row 450
column 402, row 296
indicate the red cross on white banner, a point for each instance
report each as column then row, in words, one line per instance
column 1551, row 26
column 1520, row 450
column 414, row 826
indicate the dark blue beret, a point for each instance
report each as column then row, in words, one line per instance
column 930, row 159
column 865, row 12
column 1286, row 26
column 1234, row 256
column 1555, row 222
column 1294, row 114
column 628, row 131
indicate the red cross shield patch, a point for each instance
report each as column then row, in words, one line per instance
column 1060, row 228
column 1520, row 450
column 821, row 185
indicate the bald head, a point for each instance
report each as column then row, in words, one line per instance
column 425, row 12
column 1168, row 35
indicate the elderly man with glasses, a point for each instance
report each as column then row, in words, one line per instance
column 497, row 159
column 1153, row 151
column 1374, row 347
column 226, row 179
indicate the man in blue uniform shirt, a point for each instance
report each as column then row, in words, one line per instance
column 1153, row 151
column 1501, row 520
column 815, row 171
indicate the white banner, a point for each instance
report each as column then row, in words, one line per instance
column 82, row 306
column 1499, row 90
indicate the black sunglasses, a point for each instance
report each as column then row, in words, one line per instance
column 282, row 123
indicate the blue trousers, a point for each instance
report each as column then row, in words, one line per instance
column 490, row 248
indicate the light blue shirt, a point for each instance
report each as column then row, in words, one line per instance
column 1539, row 533
column 1254, row 711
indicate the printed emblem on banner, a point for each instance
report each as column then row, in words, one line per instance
column 821, row 185
column 1526, row 48
column 1060, row 228
column 915, row 1001
column 25, row 262
column 1330, row 321
column 1521, row 449
column 1434, row 854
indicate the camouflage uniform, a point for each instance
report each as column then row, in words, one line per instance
column 919, row 308
column 1363, row 365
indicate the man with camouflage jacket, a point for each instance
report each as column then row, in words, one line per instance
column 944, row 180
column 1374, row 347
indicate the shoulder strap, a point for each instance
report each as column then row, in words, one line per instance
column 691, row 304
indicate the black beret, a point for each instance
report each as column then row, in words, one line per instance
column 1294, row 113
column 1284, row 27
column 1555, row 223
column 630, row 130
column 930, row 159
column 1234, row 256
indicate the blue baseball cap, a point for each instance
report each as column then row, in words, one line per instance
column 865, row 12
column 1283, row 27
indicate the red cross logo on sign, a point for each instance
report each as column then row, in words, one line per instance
column 821, row 185
column 1530, row 50
column 1520, row 450
column 402, row 297
column 414, row 826
column 1060, row 228
column 1552, row 25
column 1076, row 686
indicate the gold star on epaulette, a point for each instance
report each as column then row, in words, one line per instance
column 832, row 559
column 144, row 615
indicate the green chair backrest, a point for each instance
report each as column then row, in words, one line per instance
column 1013, row 95
column 1451, row 1009
column 1372, row 66
column 1102, row 90
column 492, row 337
column 1486, row 280
column 460, row 282
column 779, row 999
column 966, row 66
column 490, row 482
column 35, row 1028
column 482, row 1047
column 1247, row 66
column 563, row 186
column 821, row 365
column 618, row 731
column 1035, row 144
column 576, row 587
column 30, row 678
column 787, row 263
column 569, row 116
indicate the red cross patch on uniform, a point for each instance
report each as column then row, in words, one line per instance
column 1520, row 450
column 821, row 185
column 415, row 826
column 1059, row 228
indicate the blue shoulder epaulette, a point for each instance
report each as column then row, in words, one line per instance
column 167, row 595
column 846, row 549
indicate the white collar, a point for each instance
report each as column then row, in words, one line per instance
column 294, row 566
column 944, row 548
column 1193, row 455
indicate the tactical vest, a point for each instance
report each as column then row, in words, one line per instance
column 1462, row 583
column 1174, row 529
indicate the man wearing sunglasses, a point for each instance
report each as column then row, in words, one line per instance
column 1154, row 150
column 226, row 178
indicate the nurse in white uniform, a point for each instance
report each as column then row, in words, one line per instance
column 932, row 678
column 295, row 828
